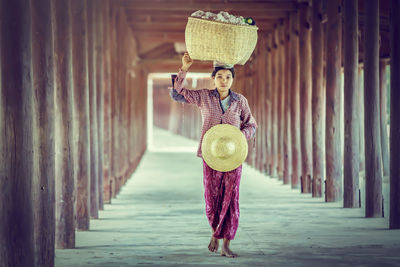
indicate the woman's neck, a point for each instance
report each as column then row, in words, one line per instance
column 223, row 95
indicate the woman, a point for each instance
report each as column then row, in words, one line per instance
column 221, row 189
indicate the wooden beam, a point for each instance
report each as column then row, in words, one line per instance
column 351, row 120
column 197, row 5
column 373, row 165
column 333, row 96
column 179, row 15
column 394, row 220
column 317, row 99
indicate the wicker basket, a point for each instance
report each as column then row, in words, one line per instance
column 224, row 42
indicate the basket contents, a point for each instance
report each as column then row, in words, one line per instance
column 224, row 16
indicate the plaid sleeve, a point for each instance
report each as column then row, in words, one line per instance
column 248, row 123
column 191, row 96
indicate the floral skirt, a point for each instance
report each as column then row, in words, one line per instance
column 221, row 193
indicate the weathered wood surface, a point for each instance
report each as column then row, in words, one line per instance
column 274, row 107
column 268, row 96
column 351, row 119
column 107, row 157
column 100, row 85
column 43, row 113
column 394, row 220
column 382, row 119
column 94, row 145
column 333, row 96
column 317, row 99
column 373, row 165
column 65, row 185
column 361, row 119
column 287, row 144
column 81, row 101
column 281, row 99
column 305, row 98
column 295, row 101
column 17, row 139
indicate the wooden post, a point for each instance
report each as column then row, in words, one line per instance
column 295, row 101
column 305, row 98
column 81, row 99
column 373, row 165
column 394, row 220
column 351, row 127
column 65, row 185
column 287, row 171
column 100, row 99
column 382, row 112
column 43, row 108
column 361, row 119
column 107, row 150
column 333, row 96
column 274, row 107
column 351, row 99
column 92, row 67
column 317, row 99
column 17, row 136
column 268, row 97
column 281, row 98
column 115, row 166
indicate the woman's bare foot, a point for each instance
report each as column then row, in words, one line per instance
column 225, row 251
column 214, row 243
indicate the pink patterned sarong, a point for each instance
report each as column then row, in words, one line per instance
column 221, row 192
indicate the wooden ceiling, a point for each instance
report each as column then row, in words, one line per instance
column 158, row 24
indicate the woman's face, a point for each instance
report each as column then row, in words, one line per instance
column 223, row 80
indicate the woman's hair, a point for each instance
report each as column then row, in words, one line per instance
column 216, row 69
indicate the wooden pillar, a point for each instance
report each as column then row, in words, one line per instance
column 107, row 159
column 268, row 97
column 281, row 98
column 333, row 96
column 65, row 185
column 274, row 106
column 383, row 121
column 305, row 98
column 92, row 67
column 295, row 101
column 81, row 99
column 394, row 220
column 43, row 108
column 17, row 136
column 373, row 165
column 351, row 126
column 287, row 144
column 361, row 119
column 100, row 69
column 115, row 166
column 317, row 99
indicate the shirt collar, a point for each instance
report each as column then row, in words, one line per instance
column 234, row 96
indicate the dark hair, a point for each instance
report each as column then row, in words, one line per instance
column 216, row 69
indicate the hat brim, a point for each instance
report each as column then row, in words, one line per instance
column 224, row 131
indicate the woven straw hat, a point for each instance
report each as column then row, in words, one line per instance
column 224, row 147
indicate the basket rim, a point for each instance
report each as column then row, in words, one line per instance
column 223, row 23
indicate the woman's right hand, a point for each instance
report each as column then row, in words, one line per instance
column 186, row 61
